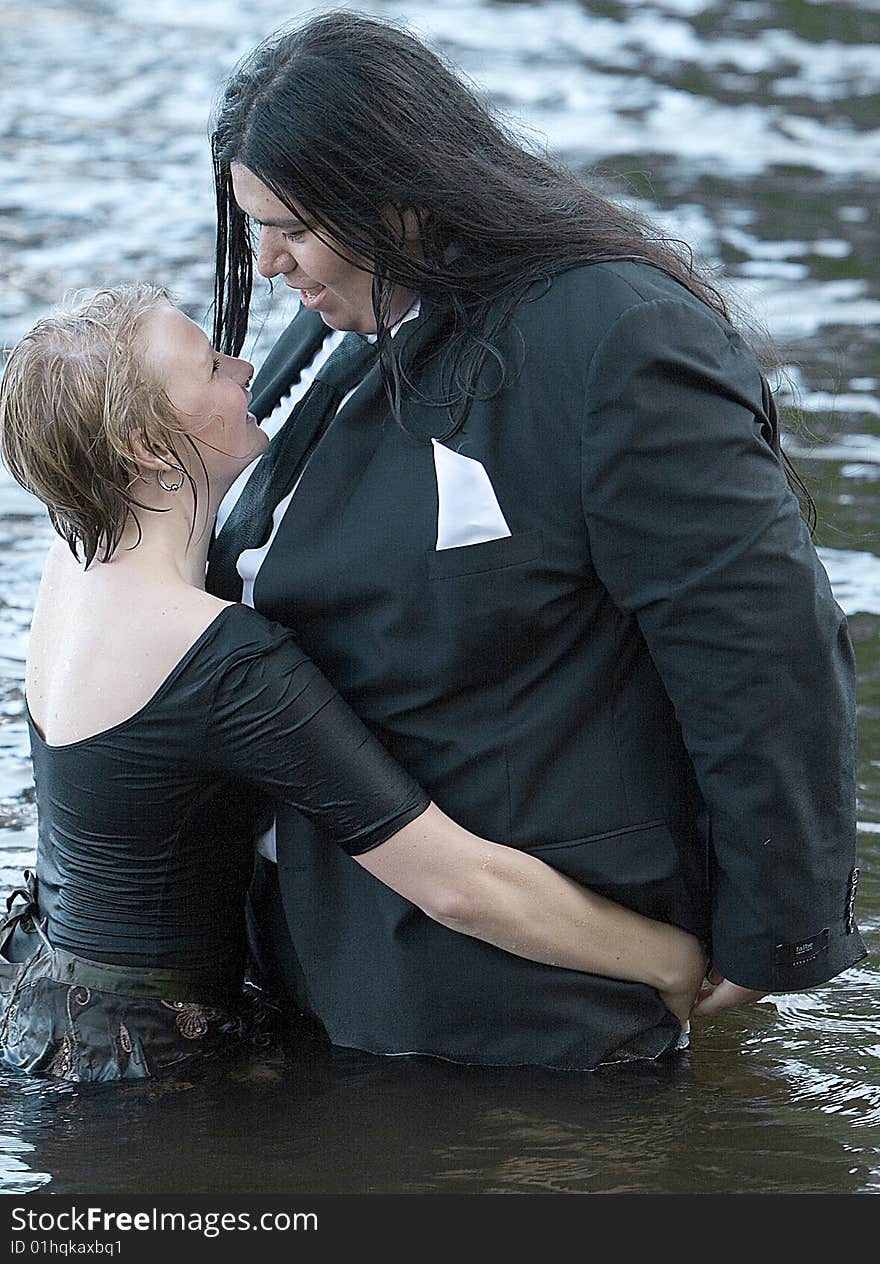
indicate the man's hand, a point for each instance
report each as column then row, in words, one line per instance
column 718, row 994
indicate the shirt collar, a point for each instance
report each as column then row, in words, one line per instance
column 410, row 315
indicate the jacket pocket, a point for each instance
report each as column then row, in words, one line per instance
column 491, row 555
column 637, row 866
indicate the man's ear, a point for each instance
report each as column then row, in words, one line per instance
column 148, row 456
column 411, row 220
column 405, row 221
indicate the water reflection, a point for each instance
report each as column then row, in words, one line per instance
column 344, row 1122
column 748, row 129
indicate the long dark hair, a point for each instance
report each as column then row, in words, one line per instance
column 348, row 116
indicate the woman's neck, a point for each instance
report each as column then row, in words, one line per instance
column 163, row 544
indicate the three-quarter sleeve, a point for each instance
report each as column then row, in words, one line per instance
column 278, row 723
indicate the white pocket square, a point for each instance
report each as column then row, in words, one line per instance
column 467, row 507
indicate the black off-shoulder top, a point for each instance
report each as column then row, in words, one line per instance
column 145, row 830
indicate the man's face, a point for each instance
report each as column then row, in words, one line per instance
column 294, row 247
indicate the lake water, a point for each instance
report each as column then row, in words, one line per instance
column 752, row 131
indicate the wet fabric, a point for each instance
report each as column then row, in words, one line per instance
column 145, row 851
column 89, row 1021
column 55, row 1024
column 625, row 686
column 145, row 830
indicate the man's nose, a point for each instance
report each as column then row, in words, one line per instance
column 273, row 253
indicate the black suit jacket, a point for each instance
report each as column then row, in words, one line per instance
column 647, row 683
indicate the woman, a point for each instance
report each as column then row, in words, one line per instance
column 155, row 711
column 562, row 575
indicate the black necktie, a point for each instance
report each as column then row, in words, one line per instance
column 280, row 465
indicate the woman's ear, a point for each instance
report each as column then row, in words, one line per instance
column 150, row 457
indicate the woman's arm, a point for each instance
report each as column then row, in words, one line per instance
column 515, row 901
column 276, row 720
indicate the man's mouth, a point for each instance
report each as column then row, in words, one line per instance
column 312, row 296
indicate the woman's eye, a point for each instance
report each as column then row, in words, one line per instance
column 218, row 360
column 297, row 236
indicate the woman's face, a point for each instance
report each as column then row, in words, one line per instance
column 290, row 247
column 210, row 394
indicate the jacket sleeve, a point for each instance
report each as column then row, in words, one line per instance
column 695, row 534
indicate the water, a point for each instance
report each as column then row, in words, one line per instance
column 751, row 131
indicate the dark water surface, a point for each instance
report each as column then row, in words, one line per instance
column 751, row 130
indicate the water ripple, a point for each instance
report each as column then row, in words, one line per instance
column 747, row 129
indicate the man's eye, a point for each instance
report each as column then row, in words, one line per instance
column 218, row 360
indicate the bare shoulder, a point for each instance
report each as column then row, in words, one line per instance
column 61, row 572
column 104, row 640
column 196, row 610
column 146, row 609
column 60, row 564
column 178, row 618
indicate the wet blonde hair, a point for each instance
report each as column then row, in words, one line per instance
column 73, row 390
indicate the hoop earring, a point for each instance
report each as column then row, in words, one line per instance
column 172, row 487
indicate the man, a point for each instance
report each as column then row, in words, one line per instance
column 582, row 608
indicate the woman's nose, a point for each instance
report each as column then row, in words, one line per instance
column 239, row 370
column 273, row 254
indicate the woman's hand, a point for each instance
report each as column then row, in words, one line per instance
column 719, row 993
column 686, row 986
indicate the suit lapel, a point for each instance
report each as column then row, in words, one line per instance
column 335, row 467
column 295, row 348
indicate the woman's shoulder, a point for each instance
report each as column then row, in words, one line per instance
column 238, row 636
column 248, row 628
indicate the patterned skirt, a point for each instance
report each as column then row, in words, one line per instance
column 74, row 1019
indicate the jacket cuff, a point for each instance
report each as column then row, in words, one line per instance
column 788, row 967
